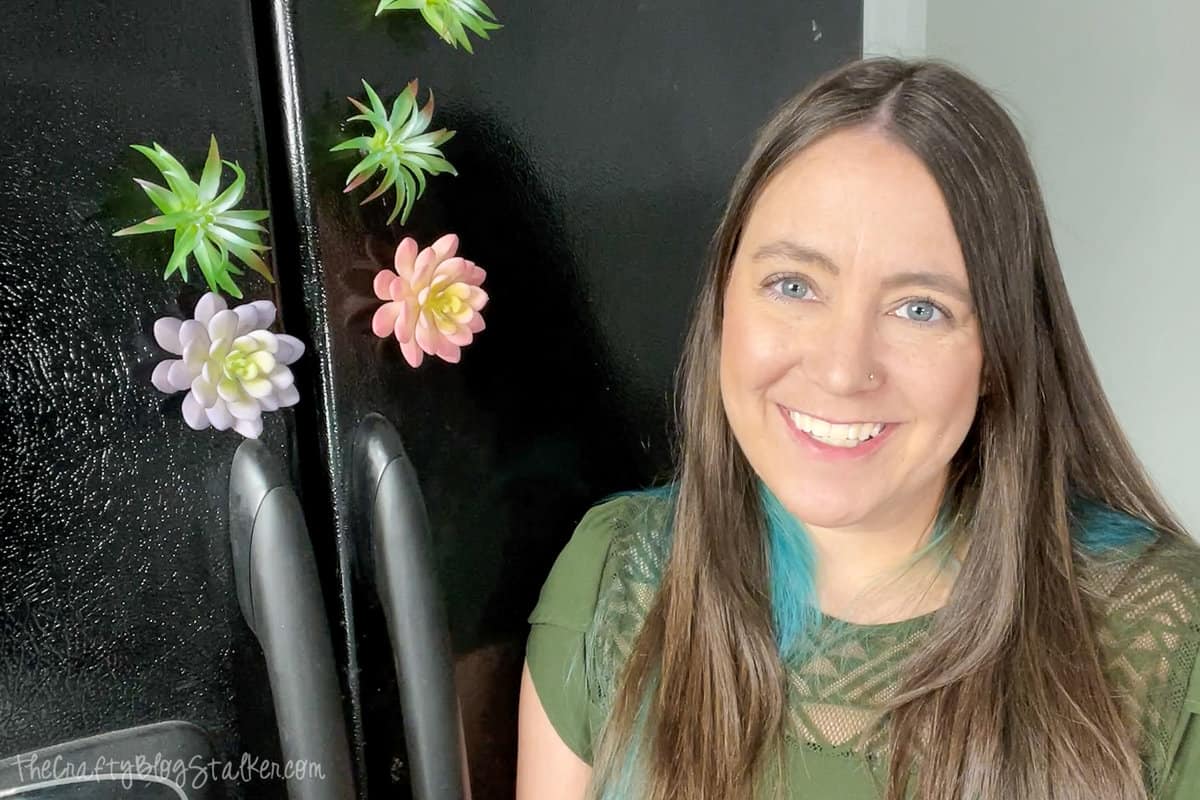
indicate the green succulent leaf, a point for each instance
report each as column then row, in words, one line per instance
column 450, row 19
column 399, row 146
column 205, row 224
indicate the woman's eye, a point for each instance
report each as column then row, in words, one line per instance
column 791, row 287
column 922, row 311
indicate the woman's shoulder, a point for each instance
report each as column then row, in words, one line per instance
column 622, row 537
column 1147, row 586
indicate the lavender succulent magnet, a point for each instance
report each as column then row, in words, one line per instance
column 232, row 368
column 205, row 224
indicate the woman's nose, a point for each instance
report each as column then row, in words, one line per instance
column 840, row 355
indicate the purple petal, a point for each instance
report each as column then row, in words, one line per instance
column 209, row 305
column 290, row 348
column 193, row 414
column 266, row 312
column 281, row 377
column 179, row 375
column 195, row 355
column 166, row 333
column 288, row 396
column 250, row 428
column 230, row 391
column 269, row 403
column 204, row 392
column 258, row 388
column 247, row 319
column 189, row 331
column 160, row 377
column 223, row 325
column 219, row 416
column 248, row 409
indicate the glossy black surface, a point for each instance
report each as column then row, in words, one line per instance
column 596, row 143
column 117, row 604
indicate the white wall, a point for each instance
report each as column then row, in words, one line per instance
column 1107, row 94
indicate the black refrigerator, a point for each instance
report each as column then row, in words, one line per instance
column 348, row 588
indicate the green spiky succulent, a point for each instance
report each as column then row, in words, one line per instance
column 450, row 18
column 205, row 223
column 399, row 146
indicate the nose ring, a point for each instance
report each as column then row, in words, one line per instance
column 870, row 376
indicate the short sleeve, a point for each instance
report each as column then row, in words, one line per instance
column 1183, row 777
column 555, row 651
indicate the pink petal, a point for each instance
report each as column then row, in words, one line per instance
column 399, row 290
column 406, row 321
column 426, row 263
column 449, row 351
column 426, row 335
column 461, row 337
column 474, row 275
column 476, row 324
column 208, row 305
column 406, row 254
column 446, row 246
column 166, row 333
column 476, row 298
column 383, row 284
column 412, row 353
column 450, row 270
column 384, row 321
column 193, row 414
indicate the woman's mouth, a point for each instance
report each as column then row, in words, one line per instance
column 852, row 437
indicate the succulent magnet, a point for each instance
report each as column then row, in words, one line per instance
column 433, row 299
column 451, row 19
column 399, row 146
column 205, row 223
column 232, row 368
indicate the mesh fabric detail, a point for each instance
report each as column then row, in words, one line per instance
column 1150, row 635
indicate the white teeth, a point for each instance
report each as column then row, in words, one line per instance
column 837, row 435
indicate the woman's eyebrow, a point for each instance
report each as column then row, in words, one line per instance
column 794, row 251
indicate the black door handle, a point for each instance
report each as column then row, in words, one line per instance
column 400, row 547
column 280, row 595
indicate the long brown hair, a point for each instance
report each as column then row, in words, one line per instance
column 1007, row 698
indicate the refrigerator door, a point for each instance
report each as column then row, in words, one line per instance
column 595, row 143
column 121, row 637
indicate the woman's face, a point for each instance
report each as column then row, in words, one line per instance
column 848, row 266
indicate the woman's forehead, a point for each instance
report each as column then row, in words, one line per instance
column 856, row 197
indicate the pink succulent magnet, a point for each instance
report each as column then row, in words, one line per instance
column 231, row 366
column 433, row 301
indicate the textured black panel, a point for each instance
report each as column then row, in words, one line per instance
column 116, row 598
column 596, row 143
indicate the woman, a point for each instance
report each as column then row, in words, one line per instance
column 908, row 548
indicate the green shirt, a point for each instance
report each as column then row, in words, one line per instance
column 600, row 588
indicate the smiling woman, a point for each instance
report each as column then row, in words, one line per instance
column 908, row 542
